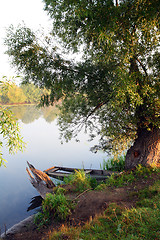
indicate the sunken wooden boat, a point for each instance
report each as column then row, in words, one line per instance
column 62, row 172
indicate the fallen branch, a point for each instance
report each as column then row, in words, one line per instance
column 82, row 194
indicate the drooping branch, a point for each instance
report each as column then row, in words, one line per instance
column 143, row 67
column 95, row 109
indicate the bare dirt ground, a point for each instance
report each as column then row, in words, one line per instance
column 89, row 204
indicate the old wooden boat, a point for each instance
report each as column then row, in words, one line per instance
column 62, row 172
column 42, row 182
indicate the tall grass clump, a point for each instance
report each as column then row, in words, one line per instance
column 114, row 164
column 54, row 206
column 79, row 180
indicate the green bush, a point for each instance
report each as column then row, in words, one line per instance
column 53, row 206
column 80, row 181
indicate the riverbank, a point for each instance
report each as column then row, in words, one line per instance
column 22, row 226
column 101, row 204
column 17, row 104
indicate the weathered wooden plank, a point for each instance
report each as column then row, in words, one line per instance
column 58, row 175
column 52, row 169
column 60, row 168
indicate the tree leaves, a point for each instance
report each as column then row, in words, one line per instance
column 120, row 65
column 9, row 130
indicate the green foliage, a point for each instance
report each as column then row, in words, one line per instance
column 54, row 206
column 32, row 93
column 9, row 129
column 10, row 132
column 80, row 181
column 121, row 180
column 114, row 90
column 26, row 93
column 114, row 164
column 125, row 178
column 144, row 171
column 16, row 95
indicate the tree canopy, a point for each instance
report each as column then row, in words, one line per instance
column 114, row 90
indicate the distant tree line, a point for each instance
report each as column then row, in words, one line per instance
column 25, row 93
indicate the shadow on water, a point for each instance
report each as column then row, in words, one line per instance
column 35, row 203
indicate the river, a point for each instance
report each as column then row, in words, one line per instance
column 44, row 149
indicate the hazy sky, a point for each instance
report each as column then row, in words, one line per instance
column 14, row 12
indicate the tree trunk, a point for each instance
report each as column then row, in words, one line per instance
column 145, row 150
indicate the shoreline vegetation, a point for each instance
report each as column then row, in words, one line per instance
column 123, row 207
column 11, row 94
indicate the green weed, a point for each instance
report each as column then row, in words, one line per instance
column 120, row 180
column 53, row 206
column 114, row 164
column 125, row 178
column 80, row 181
column 101, row 186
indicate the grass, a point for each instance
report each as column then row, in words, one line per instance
column 80, row 181
column 141, row 222
column 55, row 207
column 125, row 178
column 114, row 164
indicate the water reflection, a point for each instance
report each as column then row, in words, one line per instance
column 29, row 113
column 35, row 203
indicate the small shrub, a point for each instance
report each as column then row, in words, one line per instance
column 141, row 170
column 79, row 180
column 59, row 190
column 101, row 186
column 93, row 183
column 53, row 206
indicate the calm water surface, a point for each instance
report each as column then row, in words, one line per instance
column 40, row 131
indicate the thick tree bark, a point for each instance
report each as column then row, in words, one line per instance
column 145, row 150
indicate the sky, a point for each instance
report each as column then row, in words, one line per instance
column 15, row 12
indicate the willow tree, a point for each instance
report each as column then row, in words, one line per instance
column 113, row 90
